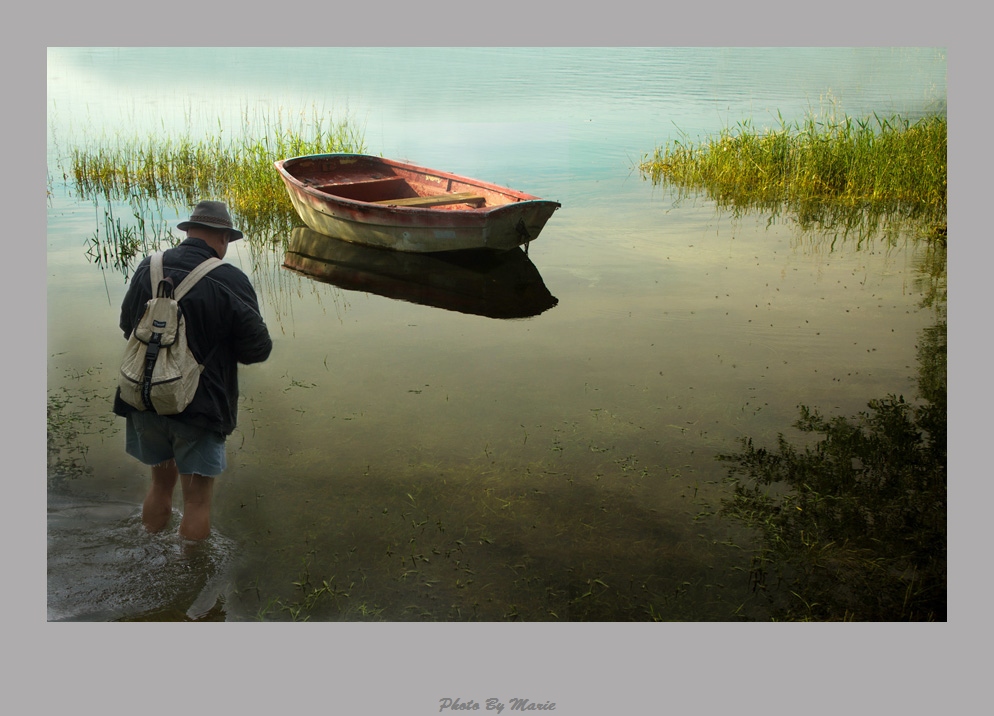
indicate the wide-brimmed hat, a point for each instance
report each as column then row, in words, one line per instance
column 213, row 214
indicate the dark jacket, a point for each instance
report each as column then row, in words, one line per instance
column 221, row 314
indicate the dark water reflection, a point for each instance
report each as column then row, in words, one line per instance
column 493, row 284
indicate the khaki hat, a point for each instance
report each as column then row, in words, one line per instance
column 213, row 214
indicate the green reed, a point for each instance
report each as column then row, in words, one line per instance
column 124, row 241
column 183, row 170
column 834, row 172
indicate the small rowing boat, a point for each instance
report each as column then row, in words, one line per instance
column 400, row 206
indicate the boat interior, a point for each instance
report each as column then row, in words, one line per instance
column 399, row 191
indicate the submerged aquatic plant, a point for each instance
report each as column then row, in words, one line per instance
column 837, row 174
column 71, row 419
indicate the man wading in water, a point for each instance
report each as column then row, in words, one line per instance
column 223, row 328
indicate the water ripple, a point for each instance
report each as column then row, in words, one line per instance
column 104, row 566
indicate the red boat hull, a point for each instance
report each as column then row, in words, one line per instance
column 404, row 207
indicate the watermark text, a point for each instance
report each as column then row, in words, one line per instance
column 494, row 704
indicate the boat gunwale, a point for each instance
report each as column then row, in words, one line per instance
column 520, row 198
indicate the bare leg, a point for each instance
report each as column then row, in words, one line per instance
column 158, row 505
column 197, row 493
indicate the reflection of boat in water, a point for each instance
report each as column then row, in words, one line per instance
column 497, row 284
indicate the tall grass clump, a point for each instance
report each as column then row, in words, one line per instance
column 180, row 171
column 827, row 171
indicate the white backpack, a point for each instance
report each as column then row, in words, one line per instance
column 158, row 372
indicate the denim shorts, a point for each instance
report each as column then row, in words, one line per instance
column 153, row 438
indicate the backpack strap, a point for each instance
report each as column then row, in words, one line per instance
column 156, row 274
column 198, row 273
column 187, row 283
column 155, row 271
column 205, row 267
column 162, row 285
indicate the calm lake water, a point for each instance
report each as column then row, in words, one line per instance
column 400, row 458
